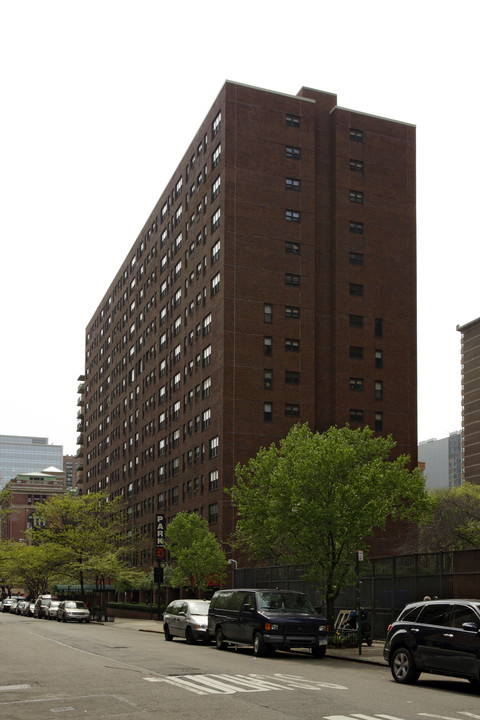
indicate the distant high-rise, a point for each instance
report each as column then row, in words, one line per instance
column 273, row 283
column 443, row 461
column 19, row 454
column 471, row 399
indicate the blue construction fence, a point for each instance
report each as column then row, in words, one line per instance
column 387, row 583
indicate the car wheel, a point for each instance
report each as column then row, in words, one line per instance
column 219, row 641
column 189, row 636
column 318, row 651
column 166, row 633
column 403, row 667
column 259, row 647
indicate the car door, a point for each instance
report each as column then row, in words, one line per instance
column 462, row 653
column 429, row 630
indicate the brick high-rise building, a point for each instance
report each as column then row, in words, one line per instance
column 274, row 282
column 471, row 400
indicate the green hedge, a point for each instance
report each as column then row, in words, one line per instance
column 138, row 607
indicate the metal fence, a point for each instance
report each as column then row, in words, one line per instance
column 387, row 584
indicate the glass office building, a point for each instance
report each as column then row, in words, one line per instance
column 27, row 454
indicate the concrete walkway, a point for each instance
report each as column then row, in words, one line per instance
column 372, row 655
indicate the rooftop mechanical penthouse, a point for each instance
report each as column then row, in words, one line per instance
column 273, row 283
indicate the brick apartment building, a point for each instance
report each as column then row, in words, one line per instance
column 273, row 283
column 470, row 400
column 26, row 491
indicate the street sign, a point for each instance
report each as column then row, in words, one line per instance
column 160, row 530
column 160, row 553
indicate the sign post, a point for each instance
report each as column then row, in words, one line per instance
column 358, row 559
column 160, row 553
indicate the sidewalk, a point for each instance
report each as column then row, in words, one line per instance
column 372, row 655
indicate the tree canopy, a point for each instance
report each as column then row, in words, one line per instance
column 196, row 556
column 317, row 498
column 455, row 519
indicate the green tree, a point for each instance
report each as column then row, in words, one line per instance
column 91, row 530
column 195, row 553
column 455, row 519
column 317, row 498
column 36, row 567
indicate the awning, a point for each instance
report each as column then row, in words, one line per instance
column 78, row 588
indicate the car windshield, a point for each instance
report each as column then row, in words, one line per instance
column 199, row 608
column 75, row 604
column 284, row 602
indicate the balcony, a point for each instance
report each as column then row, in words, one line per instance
column 81, row 388
column 80, row 439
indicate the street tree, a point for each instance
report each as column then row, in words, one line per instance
column 196, row 556
column 92, row 531
column 35, row 567
column 316, row 499
column 455, row 519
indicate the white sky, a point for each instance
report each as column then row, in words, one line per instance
column 99, row 101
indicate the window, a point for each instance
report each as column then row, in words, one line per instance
column 356, row 227
column 216, row 188
column 292, row 248
column 216, row 156
column 216, row 220
column 176, row 438
column 292, row 184
column 176, row 410
column 176, row 382
column 215, row 284
column 292, row 216
column 213, row 480
column 268, row 346
column 356, row 415
column 356, row 352
column 292, row 345
column 206, row 387
column 356, row 135
column 356, row 321
column 378, row 390
column 268, row 313
column 207, row 324
column 356, row 196
column 356, row 289
column 207, row 356
column 378, row 358
column 215, row 252
column 268, row 379
column 356, row 165
column 378, row 327
column 292, row 410
column 292, row 152
column 213, row 514
column 355, row 258
column 292, row 312
column 268, row 411
column 356, row 383
column 214, row 443
column 292, row 120
column 216, row 124
column 206, row 416
column 291, row 376
column 292, row 279
column 378, row 421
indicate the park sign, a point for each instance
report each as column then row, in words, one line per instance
column 160, row 536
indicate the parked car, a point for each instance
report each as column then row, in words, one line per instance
column 20, row 605
column 29, row 609
column 9, row 604
column 435, row 636
column 51, row 609
column 267, row 619
column 187, row 619
column 73, row 610
column 41, row 603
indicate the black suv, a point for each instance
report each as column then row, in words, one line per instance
column 435, row 636
column 267, row 619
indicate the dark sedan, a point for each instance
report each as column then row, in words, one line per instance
column 435, row 636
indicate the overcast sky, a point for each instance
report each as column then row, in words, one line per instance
column 99, row 101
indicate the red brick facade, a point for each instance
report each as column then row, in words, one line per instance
column 273, row 283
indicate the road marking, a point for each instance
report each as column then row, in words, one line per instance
column 9, row 688
column 468, row 714
column 219, row 684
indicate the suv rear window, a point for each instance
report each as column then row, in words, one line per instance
column 434, row 614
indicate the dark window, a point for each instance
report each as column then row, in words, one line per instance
column 292, row 312
column 213, row 514
column 356, row 321
column 292, row 184
column 292, row 410
column 356, row 352
column 378, row 421
column 291, row 376
column 356, row 289
column 356, row 383
column 356, row 227
column 268, row 412
column 378, row 327
column 356, row 196
column 356, row 165
column 356, row 415
column 292, row 345
column 267, row 346
column 434, row 614
column 292, row 279
column 378, row 358
column 292, row 247
column 292, row 152
column 268, row 379
column 268, row 313
column 463, row 614
column 292, row 120
column 292, row 216
column 356, row 258
column 378, row 390
column 356, row 135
